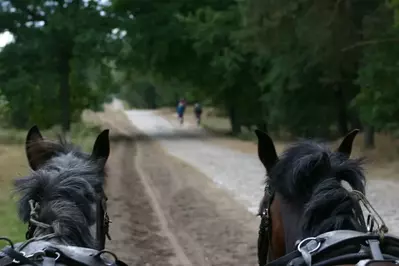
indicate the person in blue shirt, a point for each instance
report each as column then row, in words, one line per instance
column 181, row 107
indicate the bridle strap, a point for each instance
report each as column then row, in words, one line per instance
column 263, row 241
column 103, row 221
column 284, row 259
column 265, row 228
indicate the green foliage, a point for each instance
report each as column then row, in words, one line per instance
column 59, row 62
column 310, row 68
column 379, row 72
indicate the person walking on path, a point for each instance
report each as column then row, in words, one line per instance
column 198, row 112
column 181, row 107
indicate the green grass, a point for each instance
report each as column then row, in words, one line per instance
column 13, row 164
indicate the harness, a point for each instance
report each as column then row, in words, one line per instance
column 335, row 247
column 40, row 249
column 45, row 253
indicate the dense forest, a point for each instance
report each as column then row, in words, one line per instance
column 307, row 68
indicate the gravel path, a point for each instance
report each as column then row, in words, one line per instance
column 241, row 174
column 167, row 213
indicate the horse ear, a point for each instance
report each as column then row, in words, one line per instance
column 346, row 145
column 101, row 146
column 34, row 137
column 266, row 151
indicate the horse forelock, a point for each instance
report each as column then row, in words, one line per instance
column 305, row 164
column 308, row 176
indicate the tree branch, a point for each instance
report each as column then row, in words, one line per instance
column 369, row 42
column 335, row 11
column 21, row 6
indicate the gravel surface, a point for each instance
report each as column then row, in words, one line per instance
column 239, row 173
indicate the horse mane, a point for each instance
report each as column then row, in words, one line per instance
column 66, row 187
column 308, row 175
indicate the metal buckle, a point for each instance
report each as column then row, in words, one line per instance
column 106, row 260
column 303, row 243
column 36, row 256
column 307, row 254
column 265, row 213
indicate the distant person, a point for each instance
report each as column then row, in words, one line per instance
column 198, row 112
column 181, row 107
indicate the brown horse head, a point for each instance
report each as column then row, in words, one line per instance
column 304, row 196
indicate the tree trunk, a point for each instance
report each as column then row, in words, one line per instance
column 235, row 125
column 369, row 137
column 64, row 94
column 342, row 115
column 150, row 96
column 176, row 99
column 262, row 126
column 355, row 121
column 262, row 123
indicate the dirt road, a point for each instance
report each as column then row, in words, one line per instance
column 165, row 212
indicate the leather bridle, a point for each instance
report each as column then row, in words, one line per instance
column 265, row 228
column 102, row 223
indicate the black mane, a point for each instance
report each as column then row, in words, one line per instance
column 308, row 175
column 66, row 186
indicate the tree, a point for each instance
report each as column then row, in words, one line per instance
column 194, row 43
column 55, row 42
column 307, row 68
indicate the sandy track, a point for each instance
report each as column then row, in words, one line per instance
column 165, row 212
column 135, row 229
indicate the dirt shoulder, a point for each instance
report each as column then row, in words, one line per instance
column 165, row 212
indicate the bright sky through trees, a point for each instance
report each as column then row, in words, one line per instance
column 5, row 38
